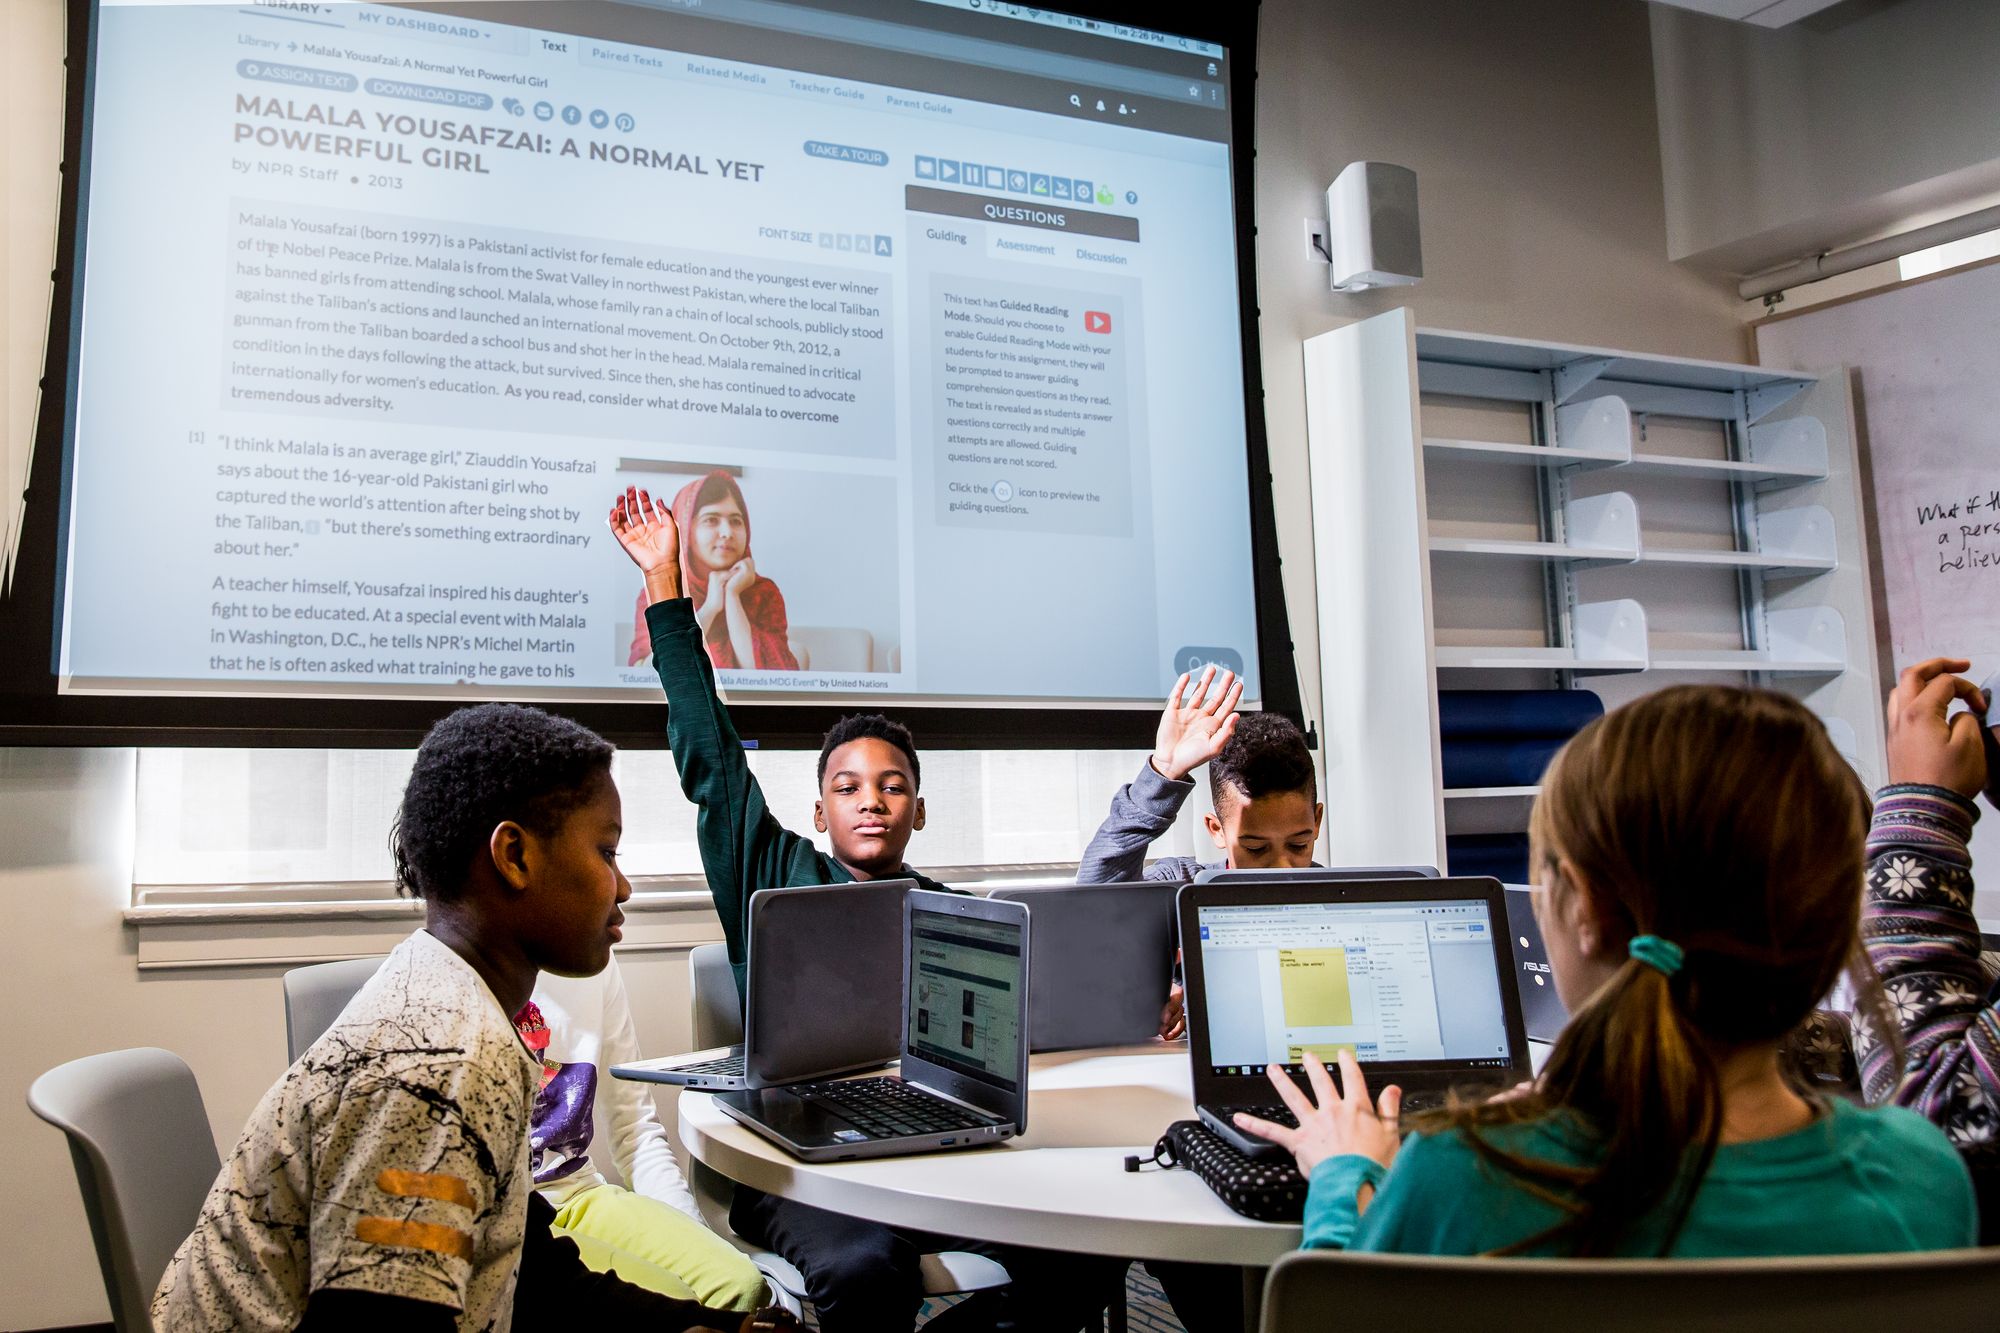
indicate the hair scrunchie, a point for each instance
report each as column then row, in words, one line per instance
column 1662, row 955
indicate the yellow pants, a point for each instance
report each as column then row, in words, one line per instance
column 659, row 1248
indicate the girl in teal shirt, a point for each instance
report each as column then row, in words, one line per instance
column 1698, row 867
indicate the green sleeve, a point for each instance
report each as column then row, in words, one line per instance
column 1331, row 1214
column 1434, row 1200
column 743, row 847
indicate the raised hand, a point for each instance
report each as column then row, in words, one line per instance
column 1927, row 744
column 646, row 529
column 1196, row 724
column 1336, row 1126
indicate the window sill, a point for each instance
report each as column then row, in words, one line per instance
column 184, row 927
column 177, row 934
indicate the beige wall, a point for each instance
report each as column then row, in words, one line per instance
column 31, row 104
column 1531, row 127
column 1779, row 144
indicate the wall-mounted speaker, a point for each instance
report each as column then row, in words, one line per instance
column 1372, row 234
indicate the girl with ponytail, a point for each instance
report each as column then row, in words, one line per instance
column 1697, row 858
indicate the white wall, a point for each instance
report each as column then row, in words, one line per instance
column 1778, row 144
column 1531, row 128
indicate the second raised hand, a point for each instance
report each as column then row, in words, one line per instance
column 1196, row 723
column 647, row 531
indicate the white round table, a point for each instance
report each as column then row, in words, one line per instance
column 1062, row 1185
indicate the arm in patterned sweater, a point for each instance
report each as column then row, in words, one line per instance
column 1918, row 927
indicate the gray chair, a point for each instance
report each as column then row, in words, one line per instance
column 145, row 1159
column 315, row 995
column 718, row 1013
column 718, row 1021
column 1318, row 1290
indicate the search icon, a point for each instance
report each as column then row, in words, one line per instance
column 1075, row 101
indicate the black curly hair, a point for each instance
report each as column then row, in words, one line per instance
column 1267, row 754
column 477, row 768
column 863, row 725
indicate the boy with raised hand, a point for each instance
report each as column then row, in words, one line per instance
column 1260, row 777
column 868, row 770
column 385, row 1180
column 861, row 1276
column 1267, row 815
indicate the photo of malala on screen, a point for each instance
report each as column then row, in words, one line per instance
column 754, row 561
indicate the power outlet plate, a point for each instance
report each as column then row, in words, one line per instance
column 1319, row 245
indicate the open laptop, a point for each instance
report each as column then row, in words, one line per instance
column 1413, row 974
column 1103, row 961
column 964, row 1075
column 1541, row 1008
column 823, row 992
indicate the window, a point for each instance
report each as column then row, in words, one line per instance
column 248, row 827
column 1952, row 254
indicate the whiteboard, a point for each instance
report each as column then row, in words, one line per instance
column 1925, row 360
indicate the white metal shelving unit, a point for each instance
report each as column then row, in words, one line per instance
column 1781, row 483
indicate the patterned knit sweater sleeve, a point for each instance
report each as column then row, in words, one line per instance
column 1918, row 927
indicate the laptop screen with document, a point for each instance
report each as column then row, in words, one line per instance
column 1397, row 982
column 968, row 979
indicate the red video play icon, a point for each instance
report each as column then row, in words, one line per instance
column 1096, row 321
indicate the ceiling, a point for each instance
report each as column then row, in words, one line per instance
column 1763, row 13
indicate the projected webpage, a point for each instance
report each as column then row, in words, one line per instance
column 1389, row 981
column 383, row 307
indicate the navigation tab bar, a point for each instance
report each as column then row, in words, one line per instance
column 1076, row 221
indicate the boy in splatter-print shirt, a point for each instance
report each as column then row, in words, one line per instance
column 385, row 1181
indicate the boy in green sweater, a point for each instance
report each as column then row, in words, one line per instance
column 861, row 1276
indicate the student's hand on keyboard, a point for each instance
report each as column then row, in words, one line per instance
column 1173, row 1018
column 1331, row 1125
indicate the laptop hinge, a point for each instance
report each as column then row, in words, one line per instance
column 974, row 1107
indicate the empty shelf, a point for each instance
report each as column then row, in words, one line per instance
column 1697, row 659
column 1610, row 637
column 1770, row 563
column 1766, row 475
column 1487, row 793
column 1807, row 641
column 1530, row 659
column 1527, row 455
column 1520, row 550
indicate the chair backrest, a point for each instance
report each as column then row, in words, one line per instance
column 315, row 995
column 1945, row 1289
column 718, row 1009
column 145, row 1159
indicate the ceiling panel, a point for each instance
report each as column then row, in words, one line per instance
column 1764, row 13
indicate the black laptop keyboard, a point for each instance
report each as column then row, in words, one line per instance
column 887, row 1108
column 1282, row 1115
column 728, row 1065
column 1277, row 1115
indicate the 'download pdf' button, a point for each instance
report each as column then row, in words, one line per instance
column 1050, row 217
